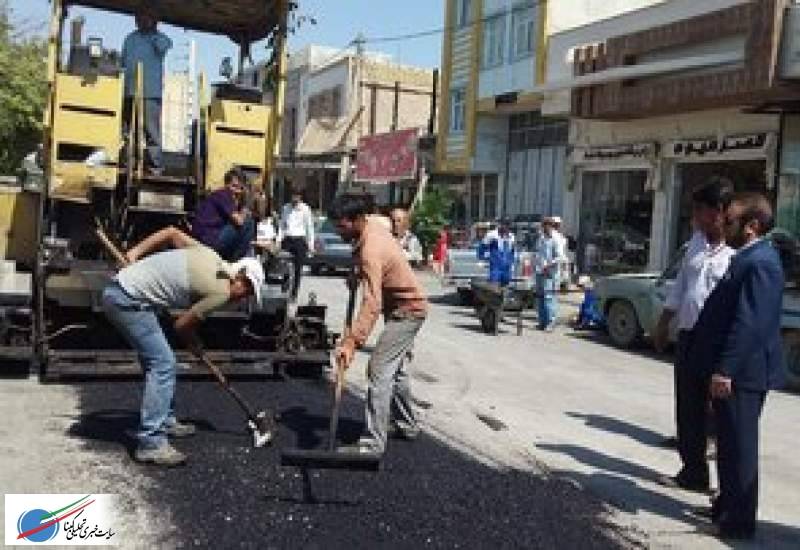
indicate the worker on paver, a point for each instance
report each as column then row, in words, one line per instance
column 402, row 232
column 547, row 258
column 389, row 286
column 190, row 277
column 704, row 264
column 223, row 223
column 499, row 249
column 146, row 46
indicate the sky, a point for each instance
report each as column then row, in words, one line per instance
column 338, row 23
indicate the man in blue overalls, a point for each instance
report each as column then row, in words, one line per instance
column 499, row 249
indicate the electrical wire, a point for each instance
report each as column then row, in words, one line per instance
column 432, row 32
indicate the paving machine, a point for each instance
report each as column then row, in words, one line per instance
column 92, row 175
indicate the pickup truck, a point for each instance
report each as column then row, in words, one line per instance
column 462, row 266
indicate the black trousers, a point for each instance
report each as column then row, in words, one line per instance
column 737, row 458
column 691, row 411
column 298, row 248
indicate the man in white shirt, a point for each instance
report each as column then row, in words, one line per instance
column 561, row 244
column 297, row 235
column 704, row 264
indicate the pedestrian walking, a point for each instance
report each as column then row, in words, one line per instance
column 388, row 285
column 738, row 342
column 193, row 278
column 223, row 223
column 704, row 264
column 297, row 235
column 547, row 258
column 440, row 251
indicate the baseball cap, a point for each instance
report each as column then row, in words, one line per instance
column 253, row 271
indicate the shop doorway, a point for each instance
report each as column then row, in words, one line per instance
column 746, row 175
column 615, row 222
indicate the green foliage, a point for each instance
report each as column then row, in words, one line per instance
column 23, row 92
column 430, row 216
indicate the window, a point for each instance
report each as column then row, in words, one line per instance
column 494, row 41
column 463, row 12
column 616, row 218
column 524, row 27
column 457, row 109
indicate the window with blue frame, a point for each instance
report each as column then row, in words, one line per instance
column 523, row 26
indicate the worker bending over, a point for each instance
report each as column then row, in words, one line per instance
column 389, row 285
column 191, row 277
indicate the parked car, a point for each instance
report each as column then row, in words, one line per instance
column 330, row 253
column 632, row 302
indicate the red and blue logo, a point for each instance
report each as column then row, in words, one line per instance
column 39, row 525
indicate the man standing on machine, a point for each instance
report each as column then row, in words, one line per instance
column 389, row 286
column 148, row 46
column 297, row 235
column 189, row 277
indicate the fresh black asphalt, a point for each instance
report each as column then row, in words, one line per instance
column 426, row 496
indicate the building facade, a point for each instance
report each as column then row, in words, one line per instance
column 334, row 98
column 661, row 100
column 503, row 135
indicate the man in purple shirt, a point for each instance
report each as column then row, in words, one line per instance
column 222, row 223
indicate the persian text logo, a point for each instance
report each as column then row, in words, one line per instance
column 45, row 520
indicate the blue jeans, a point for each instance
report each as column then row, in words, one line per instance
column 546, row 289
column 234, row 243
column 139, row 325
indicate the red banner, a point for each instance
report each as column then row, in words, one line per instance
column 388, row 157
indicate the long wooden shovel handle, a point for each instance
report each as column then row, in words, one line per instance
column 112, row 249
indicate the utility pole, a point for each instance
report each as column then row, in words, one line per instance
column 359, row 43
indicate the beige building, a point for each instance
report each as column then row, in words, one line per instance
column 333, row 99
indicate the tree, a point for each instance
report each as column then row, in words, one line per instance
column 23, row 92
column 431, row 215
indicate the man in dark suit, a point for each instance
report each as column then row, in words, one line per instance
column 738, row 341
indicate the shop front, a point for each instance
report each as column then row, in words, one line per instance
column 614, row 191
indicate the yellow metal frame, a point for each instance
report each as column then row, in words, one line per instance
column 238, row 135
column 87, row 113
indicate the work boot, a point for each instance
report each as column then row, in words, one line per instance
column 682, row 481
column 180, row 430
column 165, row 455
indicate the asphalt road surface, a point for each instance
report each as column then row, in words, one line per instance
column 427, row 494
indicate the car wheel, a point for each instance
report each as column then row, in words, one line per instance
column 623, row 324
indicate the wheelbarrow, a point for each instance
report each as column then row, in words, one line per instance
column 493, row 301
